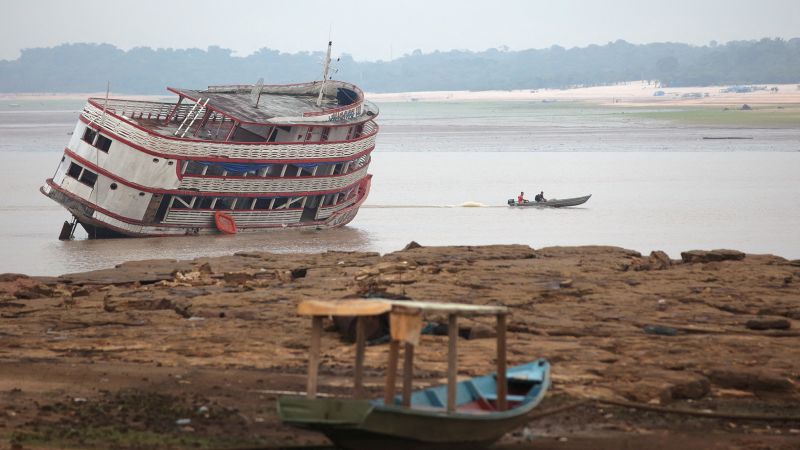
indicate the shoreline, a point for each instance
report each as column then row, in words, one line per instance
column 624, row 94
column 715, row 330
column 636, row 93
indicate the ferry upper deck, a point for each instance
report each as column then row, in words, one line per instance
column 245, row 113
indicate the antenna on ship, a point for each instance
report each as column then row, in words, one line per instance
column 255, row 93
column 325, row 74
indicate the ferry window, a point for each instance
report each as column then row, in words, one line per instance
column 88, row 178
column 244, row 203
column 262, row 203
column 324, row 135
column 223, row 203
column 74, row 170
column 103, row 143
column 203, row 202
column 215, row 171
column 305, row 171
column 309, row 132
column 281, row 201
column 88, row 135
column 182, row 202
column 194, row 168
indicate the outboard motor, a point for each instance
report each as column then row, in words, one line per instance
column 511, row 202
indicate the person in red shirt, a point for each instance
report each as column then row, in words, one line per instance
column 521, row 198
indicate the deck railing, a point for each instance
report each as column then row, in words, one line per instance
column 137, row 109
column 256, row 184
column 170, row 147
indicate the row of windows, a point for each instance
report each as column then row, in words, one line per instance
column 204, row 168
column 256, row 203
column 89, row 178
column 97, row 140
column 82, row 174
column 352, row 133
column 267, row 133
column 103, row 143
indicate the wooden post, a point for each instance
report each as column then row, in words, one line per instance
column 408, row 373
column 502, row 384
column 174, row 110
column 313, row 356
column 391, row 373
column 234, row 125
column 452, row 362
column 361, row 344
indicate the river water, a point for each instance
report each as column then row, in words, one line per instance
column 655, row 186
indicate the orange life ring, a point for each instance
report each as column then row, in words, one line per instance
column 225, row 222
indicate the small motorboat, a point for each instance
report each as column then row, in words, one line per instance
column 552, row 203
column 469, row 414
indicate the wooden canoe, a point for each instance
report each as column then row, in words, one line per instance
column 225, row 223
column 426, row 424
column 553, row 203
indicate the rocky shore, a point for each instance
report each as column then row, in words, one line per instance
column 184, row 354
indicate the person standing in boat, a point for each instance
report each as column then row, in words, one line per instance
column 540, row 197
column 521, row 198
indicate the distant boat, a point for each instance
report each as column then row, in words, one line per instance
column 552, row 203
column 14, row 105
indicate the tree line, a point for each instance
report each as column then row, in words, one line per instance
column 144, row 70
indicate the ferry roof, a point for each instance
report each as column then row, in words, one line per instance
column 238, row 105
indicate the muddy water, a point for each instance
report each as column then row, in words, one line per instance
column 655, row 185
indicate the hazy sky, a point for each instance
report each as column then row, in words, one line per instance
column 376, row 29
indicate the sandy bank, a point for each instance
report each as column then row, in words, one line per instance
column 624, row 94
column 627, row 94
column 211, row 339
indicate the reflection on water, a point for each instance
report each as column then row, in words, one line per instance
column 84, row 254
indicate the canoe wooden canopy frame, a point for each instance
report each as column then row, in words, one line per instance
column 476, row 411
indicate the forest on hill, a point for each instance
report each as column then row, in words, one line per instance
column 144, row 70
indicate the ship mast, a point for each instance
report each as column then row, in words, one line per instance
column 325, row 74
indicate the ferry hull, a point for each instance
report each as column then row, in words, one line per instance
column 300, row 159
column 99, row 225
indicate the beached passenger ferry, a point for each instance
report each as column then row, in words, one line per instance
column 258, row 156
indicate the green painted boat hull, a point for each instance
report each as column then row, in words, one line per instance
column 363, row 424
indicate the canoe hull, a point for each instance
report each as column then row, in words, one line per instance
column 556, row 203
column 365, row 424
